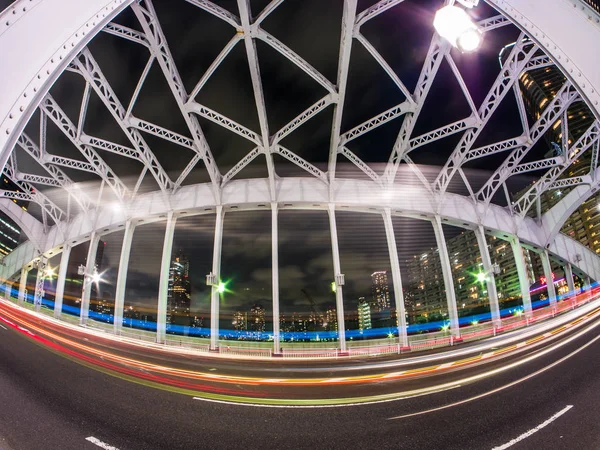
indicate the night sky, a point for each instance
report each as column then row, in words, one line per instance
column 312, row 29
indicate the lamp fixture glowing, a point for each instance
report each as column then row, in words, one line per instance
column 455, row 25
column 96, row 277
column 481, row 277
column 221, row 288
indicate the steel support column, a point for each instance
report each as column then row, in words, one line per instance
column 275, row 277
column 396, row 278
column 122, row 276
column 163, row 286
column 569, row 277
column 549, row 278
column 490, row 276
column 22, row 285
column 339, row 280
column 215, row 295
column 39, row 284
column 515, row 244
column 90, row 264
column 447, row 273
column 60, row 282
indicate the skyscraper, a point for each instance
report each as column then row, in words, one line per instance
column 240, row 321
column 364, row 314
column 381, row 291
column 257, row 318
column 331, row 318
column 9, row 235
column 179, row 291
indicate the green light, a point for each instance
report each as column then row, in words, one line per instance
column 390, row 335
column 221, row 288
column 481, row 277
column 475, row 322
column 446, row 327
column 333, row 287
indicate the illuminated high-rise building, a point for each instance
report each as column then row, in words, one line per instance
column 331, row 319
column 381, row 291
column 179, row 291
column 257, row 318
column 9, row 235
column 240, row 321
column 364, row 314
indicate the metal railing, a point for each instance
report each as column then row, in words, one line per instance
column 416, row 343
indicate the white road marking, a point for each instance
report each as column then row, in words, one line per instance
column 534, row 430
column 513, row 383
column 100, row 444
column 3, row 327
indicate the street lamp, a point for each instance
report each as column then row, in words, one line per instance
column 455, row 25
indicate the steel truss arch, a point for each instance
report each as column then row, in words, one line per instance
column 52, row 33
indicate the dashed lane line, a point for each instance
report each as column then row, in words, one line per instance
column 100, row 444
column 534, row 430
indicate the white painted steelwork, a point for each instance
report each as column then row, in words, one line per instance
column 41, row 38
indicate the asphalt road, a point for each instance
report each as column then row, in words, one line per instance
column 50, row 402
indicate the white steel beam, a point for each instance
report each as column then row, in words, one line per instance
column 380, row 119
column 257, row 87
column 117, row 149
column 91, row 72
column 216, row 63
column 163, row 287
column 520, row 54
column 515, row 245
column 275, row 277
column 375, row 10
column 493, row 22
column 437, row 49
column 549, row 278
column 58, row 175
column 300, row 162
column 339, row 277
column 563, row 99
column 88, row 280
column 126, row 33
column 537, row 165
column 122, row 276
column 22, row 285
column 240, row 165
column 360, row 164
column 40, row 279
column 385, row 66
column 524, row 203
column 492, row 149
column 139, row 85
column 225, row 122
column 294, row 58
column 51, row 108
column 268, row 10
column 160, row 49
column 490, row 276
column 215, row 295
column 463, row 85
column 396, row 279
column 60, row 282
column 570, row 182
column 306, row 115
column 161, row 132
column 569, row 276
column 217, row 11
column 348, row 19
column 70, row 163
column 442, row 132
column 447, row 274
